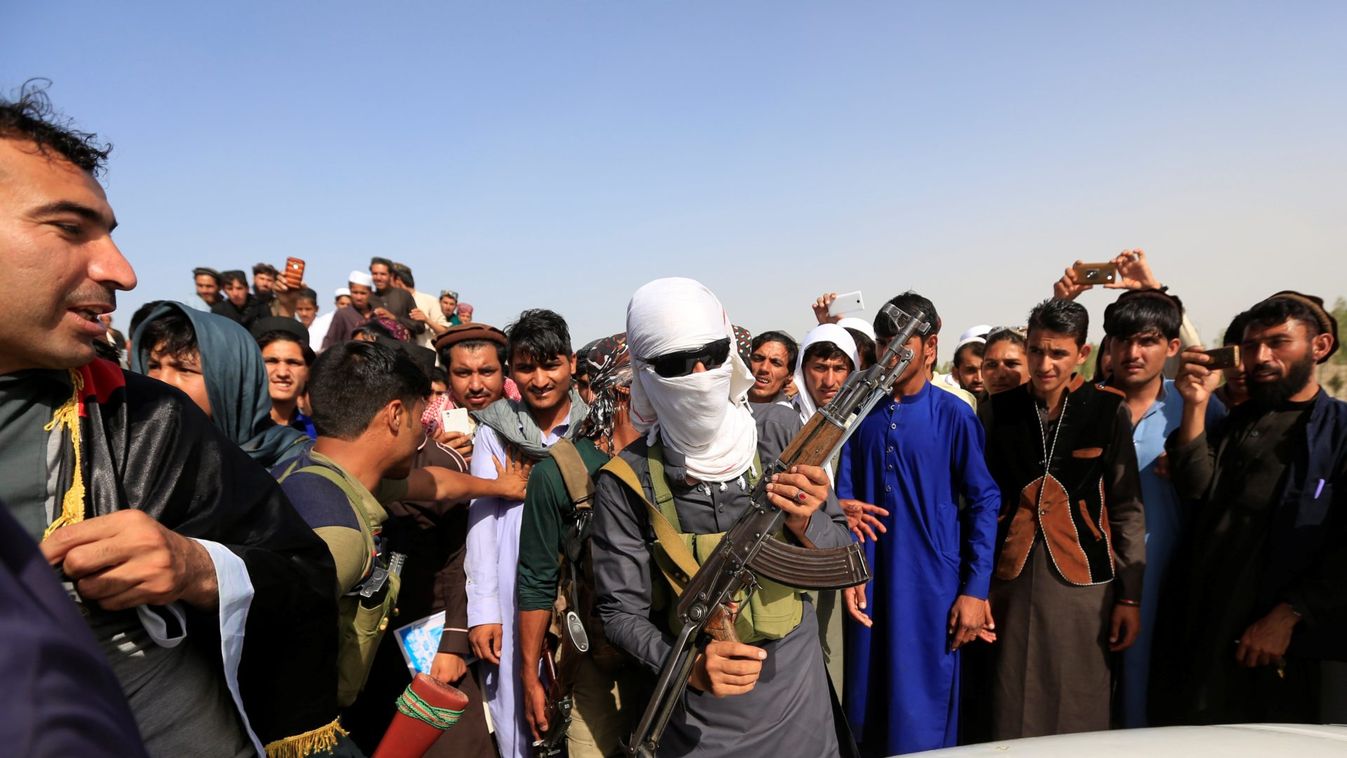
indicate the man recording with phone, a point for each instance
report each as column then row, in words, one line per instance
column 1259, row 598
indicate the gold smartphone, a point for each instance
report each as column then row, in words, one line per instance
column 1095, row 273
column 1222, row 357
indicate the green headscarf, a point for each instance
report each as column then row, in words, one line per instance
column 236, row 383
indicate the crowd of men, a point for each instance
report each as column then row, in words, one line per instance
column 207, row 549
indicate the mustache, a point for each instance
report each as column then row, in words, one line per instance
column 94, row 295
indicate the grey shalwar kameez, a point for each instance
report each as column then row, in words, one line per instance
column 788, row 712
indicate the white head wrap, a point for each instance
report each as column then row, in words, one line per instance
column 835, row 334
column 360, row 277
column 703, row 416
column 859, row 324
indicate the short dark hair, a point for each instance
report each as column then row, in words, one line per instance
column 540, row 334
column 501, row 356
column 381, row 262
column 172, row 333
column 32, row 118
column 785, row 340
column 373, row 328
column 975, row 347
column 404, row 272
column 865, row 347
column 909, row 302
column 265, row 268
column 1062, row 317
column 233, row 276
column 826, row 351
column 352, row 381
column 278, row 335
column 438, row 374
column 1234, row 334
column 307, row 294
column 1142, row 311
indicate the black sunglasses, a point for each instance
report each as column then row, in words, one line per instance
column 711, row 355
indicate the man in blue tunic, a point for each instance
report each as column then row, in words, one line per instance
column 919, row 456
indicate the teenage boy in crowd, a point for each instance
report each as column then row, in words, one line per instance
column 918, row 455
column 540, row 363
column 1071, row 538
column 368, row 400
column 604, row 685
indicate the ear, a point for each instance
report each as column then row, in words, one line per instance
column 1320, row 345
column 573, row 362
column 393, row 416
column 1085, row 351
column 1173, row 349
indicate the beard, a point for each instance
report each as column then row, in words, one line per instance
column 1276, row 393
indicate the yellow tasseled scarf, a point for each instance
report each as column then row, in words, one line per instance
column 321, row 739
column 68, row 416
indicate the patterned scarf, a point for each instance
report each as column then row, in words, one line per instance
column 608, row 363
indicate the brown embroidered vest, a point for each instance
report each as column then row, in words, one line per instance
column 1066, row 503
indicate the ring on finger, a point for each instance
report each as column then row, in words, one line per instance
column 800, row 497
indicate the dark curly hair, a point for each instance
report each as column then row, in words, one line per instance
column 31, row 117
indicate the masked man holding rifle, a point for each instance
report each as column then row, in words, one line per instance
column 695, row 467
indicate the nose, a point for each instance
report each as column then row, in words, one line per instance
column 109, row 267
column 699, row 368
column 1262, row 354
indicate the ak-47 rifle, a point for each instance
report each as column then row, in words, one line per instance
column 749, row 547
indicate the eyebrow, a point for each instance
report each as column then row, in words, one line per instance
column 70, row 206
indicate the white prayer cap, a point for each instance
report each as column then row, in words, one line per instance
column 361, row 278
column 973, row 334
column 859, row 324
column 342, row 292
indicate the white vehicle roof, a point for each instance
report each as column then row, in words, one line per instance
column 1227, row 741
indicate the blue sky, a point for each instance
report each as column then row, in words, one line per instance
column 560, row 154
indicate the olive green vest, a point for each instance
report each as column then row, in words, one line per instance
column 770, row 613
column 359, row 628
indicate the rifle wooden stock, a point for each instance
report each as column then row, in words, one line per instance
column 814, row 444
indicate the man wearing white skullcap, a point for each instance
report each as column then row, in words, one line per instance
column 688, row 399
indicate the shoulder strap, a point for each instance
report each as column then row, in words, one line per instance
column 353, row 498
column 573, row 472
column 665, row 533
column 659, row 483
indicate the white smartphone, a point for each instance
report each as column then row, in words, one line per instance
column 456, row 420
column 847, row 302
